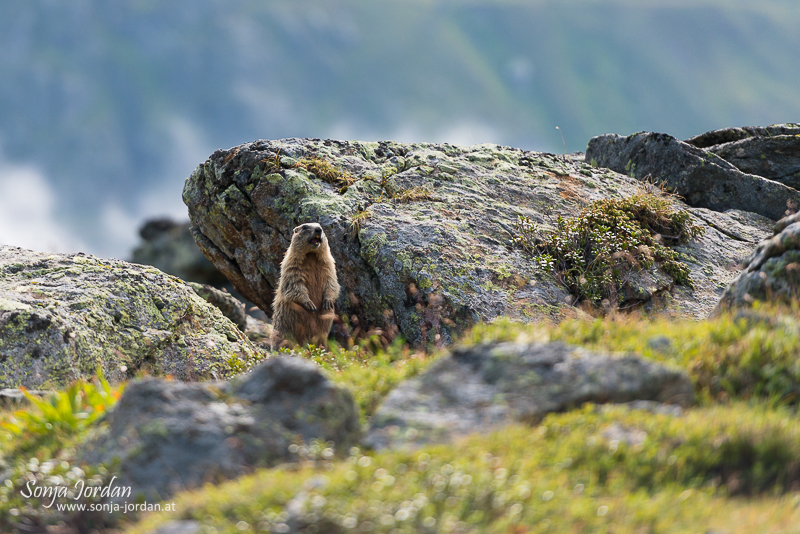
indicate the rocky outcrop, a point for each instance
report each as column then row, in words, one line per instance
column 421, row 233
column 771, row 272
column 772, row 152
column 482, row 388
column 230, row 306
column 702, row 177
column 66, row 316
column 170, row 247
column 729, row 135
column 168, row 436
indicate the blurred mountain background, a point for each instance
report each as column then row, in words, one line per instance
column 106, row 107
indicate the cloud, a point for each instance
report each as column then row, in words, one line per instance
column 27, row 212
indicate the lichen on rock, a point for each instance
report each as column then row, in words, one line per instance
column 772, row 271
column 422, row 234
column 66, row 316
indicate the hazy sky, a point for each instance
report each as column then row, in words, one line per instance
column 106, row 107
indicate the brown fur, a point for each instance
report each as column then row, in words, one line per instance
column 303, row 308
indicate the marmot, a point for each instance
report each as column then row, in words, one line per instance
column 303, row 308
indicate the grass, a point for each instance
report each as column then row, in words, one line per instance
column 595, row 254
column 357, row 220
column 414, row 194
column 732, row 464
column 571, row 474
column 38, row 447
column 326, row 172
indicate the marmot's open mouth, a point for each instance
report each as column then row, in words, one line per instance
column 316, row 241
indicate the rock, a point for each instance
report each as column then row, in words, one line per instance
column 13, row 397
column 776, row 158
column 771, row 272
column 64, row 316
column 704, row 179
column 482, row 388
column 728, row 135
column 422, row 235
column 259, row 332
column 170, row 435
column 230, row 306
column 170, row 247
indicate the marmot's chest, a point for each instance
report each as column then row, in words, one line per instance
column 315, row 273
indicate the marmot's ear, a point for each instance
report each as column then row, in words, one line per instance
column 296, row 228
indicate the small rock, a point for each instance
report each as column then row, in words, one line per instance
column 168, row 435
column 482, row 388
column 230, row 306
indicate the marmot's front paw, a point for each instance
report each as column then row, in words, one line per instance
column 327, row 305
column 310, row 306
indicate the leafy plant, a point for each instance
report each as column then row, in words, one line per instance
column 594, row 254
column 66, row 412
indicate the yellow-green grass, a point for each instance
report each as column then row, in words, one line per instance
column 730, row 465
column 571, row 474
column 368, row 375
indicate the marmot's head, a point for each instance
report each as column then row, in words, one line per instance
column 309, row 237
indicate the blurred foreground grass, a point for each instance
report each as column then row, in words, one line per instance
column 730, row 465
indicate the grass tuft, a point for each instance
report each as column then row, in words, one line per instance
column 326, row 172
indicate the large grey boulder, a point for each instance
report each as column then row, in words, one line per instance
column 165, row 436
column 703, row 178
column 482, row 388
column 422, row 234
column 64, row 316
column 771, row 272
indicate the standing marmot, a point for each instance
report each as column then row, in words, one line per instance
column 303, row 308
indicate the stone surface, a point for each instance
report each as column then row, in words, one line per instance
column 434, row 266
column 170, row 435
column 728, row 135
column 64, row 316
column 482, row 388
column 772, row 271
column 170, row 247
column 704, row 179
column 776, row 158
column 259, row 332
column 230, row 306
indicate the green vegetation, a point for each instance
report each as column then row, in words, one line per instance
column 369, row 375
column 61, row 415
column 414, row 194
column 592, row 470
column 732, row 464
column 358, row 219
column 326, row 172
column 38, row 445
column 595, row 254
